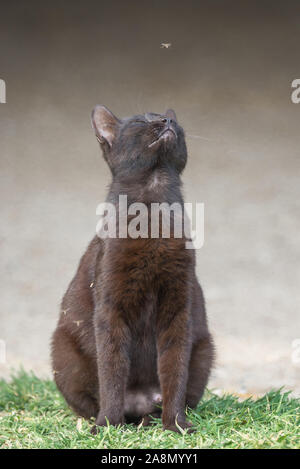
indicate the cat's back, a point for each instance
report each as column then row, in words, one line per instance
column 77, row 306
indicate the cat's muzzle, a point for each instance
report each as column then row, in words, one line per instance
column 168, row 134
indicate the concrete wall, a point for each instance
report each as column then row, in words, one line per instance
column 228, row 75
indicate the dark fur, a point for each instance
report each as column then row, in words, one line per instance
column 133, row 322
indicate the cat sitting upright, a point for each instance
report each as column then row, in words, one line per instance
column 132, row 335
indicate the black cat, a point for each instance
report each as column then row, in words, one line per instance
column 132, row 332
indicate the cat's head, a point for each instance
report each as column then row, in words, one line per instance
column 140, row 143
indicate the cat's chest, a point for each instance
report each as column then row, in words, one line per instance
column 142, row 261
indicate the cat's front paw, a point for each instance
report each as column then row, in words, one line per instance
column 106, row 420
column 179, row 426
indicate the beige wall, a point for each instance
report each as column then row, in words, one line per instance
column 228, row 76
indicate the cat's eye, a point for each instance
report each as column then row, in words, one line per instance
column 139, row 122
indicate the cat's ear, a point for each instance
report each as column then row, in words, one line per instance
column 170, row 113
column 105, row 124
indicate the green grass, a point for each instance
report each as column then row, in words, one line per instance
column 34, row 415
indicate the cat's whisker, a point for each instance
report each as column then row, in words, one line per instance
column 200, row 137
